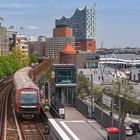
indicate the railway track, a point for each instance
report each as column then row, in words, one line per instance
column 31, row 130
column 13, row 128
column 5, row 92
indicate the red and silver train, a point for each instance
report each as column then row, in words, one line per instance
column 27, row 95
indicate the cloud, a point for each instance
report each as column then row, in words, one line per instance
column 32, row 27
column 12, row 6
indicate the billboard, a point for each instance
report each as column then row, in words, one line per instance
column 107, row 100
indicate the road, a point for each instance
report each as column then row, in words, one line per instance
column 136, row 137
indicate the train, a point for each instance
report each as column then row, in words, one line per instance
column 26, row 94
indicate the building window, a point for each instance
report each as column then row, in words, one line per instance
column 90, row 44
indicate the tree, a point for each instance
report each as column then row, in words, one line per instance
column 20, row 55
column 1, row 70
column 128, row 100
column 8, row 65
column 97, row 91
column 82, row 86
column 17, row 52
column 15, row 64
column 33, row 58
column 25, row 60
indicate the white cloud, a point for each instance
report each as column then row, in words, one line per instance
column 12, row 5
column 32, row 27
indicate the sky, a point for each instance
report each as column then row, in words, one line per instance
column 117, row 21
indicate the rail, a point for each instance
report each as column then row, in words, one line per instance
column 31, row 130
column 4, row 95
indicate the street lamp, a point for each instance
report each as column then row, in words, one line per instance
column 91, row 94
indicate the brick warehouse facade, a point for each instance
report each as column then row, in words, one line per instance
column 62, row 32
column 83, row 27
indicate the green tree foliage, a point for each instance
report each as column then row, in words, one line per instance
column 97, row 91
column 128, row 100
column 8, row 65
column 15, row 64
column 25, row 60
column 20, row 56
column 1, row 70
column 83, row 86
column 33, row 58
column 17, row 52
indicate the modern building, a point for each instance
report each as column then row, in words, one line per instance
column 87, row 60
column 4, row 48
column 83, row 27
column 65, row 83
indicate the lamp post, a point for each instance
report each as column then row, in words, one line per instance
column 91, row 94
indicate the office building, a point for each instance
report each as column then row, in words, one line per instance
column 56, row 44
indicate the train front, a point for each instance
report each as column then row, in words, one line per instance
column 28, row 103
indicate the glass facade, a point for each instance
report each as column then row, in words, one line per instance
column 65, row 83
column 82, row 23
column 65, row 76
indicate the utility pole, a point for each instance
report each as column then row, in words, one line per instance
column 112, row 111
column 120, row 96
column 102, row 113
column 91, row 94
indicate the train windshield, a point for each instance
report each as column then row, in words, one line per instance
column 28, row 97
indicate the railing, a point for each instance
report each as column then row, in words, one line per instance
column 65, row 79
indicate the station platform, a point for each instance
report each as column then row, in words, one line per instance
column 75, row 127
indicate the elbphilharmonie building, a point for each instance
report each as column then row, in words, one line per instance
column 83, row 27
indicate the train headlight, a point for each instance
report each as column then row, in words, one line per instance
column 20, row 106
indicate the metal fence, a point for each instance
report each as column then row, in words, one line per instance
column 55, row 108
column 102, row 118
column 82, row 107
column 106, row 121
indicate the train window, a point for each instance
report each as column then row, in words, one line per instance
column 28, row 97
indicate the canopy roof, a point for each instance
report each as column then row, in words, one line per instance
column 68, row 48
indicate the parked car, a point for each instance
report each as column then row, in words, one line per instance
column 128, row 131
column 135, row 127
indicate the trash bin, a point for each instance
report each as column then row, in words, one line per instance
column 112, row 133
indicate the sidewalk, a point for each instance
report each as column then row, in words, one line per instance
column 74, row 114
column 97, row 127
column 128, row 119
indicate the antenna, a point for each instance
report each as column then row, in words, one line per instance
column 102, row 49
